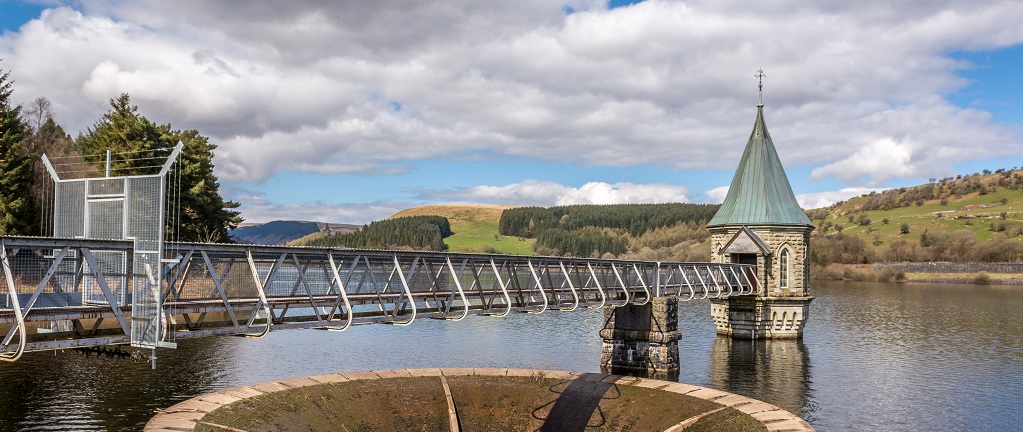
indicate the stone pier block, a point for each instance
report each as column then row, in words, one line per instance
column 641, row 340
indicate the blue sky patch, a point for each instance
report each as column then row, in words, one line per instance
column 14, row 14
column 996, row 83
column 621, row 3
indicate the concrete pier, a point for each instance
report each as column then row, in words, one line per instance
column 642, row 339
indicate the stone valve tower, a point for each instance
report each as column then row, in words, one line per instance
column 761, row 223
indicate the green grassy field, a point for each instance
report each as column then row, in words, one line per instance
column 953, row 217
column 475, row 226
column 475, row 229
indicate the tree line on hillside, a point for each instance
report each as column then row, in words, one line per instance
column 919, row 238
column 588, row 241
column 415, row 232
column 635, row 219
column 622, row 230
column 943, row 190
column 26, row 191
column 934, row 246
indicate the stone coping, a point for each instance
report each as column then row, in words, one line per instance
column 185, row 416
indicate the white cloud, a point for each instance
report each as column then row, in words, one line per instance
column 919, row 141
column 623, row 193
column 873, row 163
column 256, row 208
column 529, row 192
column 817, row 200
column 717, row 195
column 315, row 86
column 544, row 193
column 807, row 200
column 352, row 213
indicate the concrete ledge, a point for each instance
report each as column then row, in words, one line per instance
column 185, row 416
column 424, row 372
column 491, row 371
column 397, row 373
column 522, row 372
column 329, row 378
column 361, row 375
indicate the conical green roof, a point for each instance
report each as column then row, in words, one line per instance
column 760, row 193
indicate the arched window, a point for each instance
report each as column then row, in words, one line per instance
column 783, row 280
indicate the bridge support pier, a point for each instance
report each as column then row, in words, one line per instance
column 755, row 317
column 642, row 339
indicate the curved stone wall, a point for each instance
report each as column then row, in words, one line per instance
column 471, row 399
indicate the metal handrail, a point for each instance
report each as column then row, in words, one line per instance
column 326, row 288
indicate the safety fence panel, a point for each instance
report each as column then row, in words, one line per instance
column 61, row 293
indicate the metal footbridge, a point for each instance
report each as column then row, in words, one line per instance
column 111, row 275
column 67, row 293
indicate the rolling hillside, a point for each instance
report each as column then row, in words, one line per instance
column 282, row 232
column 475, row 228
column 976, row 217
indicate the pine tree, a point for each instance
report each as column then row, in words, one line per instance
column 135, row 141
column 44, row 136
column 204, row 216
column 17, row 214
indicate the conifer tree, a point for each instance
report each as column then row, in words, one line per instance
column 132, row 138
column 44, row 136
column 203, row 215
column 17, row 214
column 416, row 232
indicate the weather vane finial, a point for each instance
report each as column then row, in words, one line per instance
column 760, row 84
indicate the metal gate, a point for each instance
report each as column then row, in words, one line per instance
column 120, row 208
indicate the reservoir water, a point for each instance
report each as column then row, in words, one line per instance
column 875, row 357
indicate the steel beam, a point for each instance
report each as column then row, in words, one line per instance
column 326, row 288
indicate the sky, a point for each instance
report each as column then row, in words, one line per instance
column 348, row 111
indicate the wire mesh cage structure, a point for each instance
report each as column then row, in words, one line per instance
column 128, row 207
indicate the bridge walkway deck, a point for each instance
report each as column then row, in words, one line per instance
column 64, row 293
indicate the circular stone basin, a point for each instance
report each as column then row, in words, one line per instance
column 447, row 400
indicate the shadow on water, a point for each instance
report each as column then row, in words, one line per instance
column 774, row 371
column 893, row 357
column 64, row 390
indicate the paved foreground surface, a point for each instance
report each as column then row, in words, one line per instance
column 570, row 411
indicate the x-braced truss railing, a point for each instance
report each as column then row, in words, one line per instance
column 64, row 293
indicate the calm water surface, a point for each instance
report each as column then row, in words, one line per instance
column 875, row 357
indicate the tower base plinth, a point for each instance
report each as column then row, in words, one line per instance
column 753, row 317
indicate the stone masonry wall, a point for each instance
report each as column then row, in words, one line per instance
column 776, row 312
column 641, row 339
column 750, row 317
column 769, row 268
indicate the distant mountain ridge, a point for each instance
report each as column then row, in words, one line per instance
column 282, row 231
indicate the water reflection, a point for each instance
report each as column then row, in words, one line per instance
column 892, row 357
column 65, row 390
column 917, row 357
column 772, row 370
